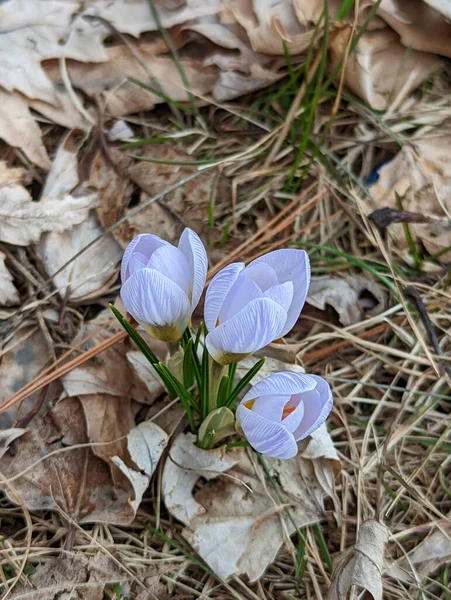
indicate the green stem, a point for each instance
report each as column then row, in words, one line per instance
column 216, row 374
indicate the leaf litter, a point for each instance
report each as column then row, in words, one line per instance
column 394, row 113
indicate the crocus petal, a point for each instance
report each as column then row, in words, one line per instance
column 170, row 261
column 154, row 300
column 317, row 406
column 282, row 294
column 283, row 383
column 271, row 406
column 218, row 290
column 254, row 327
column 290, row 265
column 193, row 249
column 292, row 421
column 265, row 436
column 263, row 275
column 145, row 245
column 243, row 291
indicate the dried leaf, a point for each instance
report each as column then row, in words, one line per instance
column 8, row 292
column 426, row 558
column 92, row 273
column 24, row 357
column 72, row 577
column 22, row 221
column 380, row 70
column 384, row 217
column 146, row 373
column 420, row 174
column 235, row 522
column 7, row 436
column 361, row 565
column 344, row 295
column 145, row 444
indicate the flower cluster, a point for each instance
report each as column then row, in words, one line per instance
column 246, row 308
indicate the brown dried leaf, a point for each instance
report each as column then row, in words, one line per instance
column 235, row 522
column 361, row 565
column 380, row 70
column 7, row 436
column 344, row 295
column 420, row 174
column 72, row 577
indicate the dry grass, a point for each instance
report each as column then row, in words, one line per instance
column 391, row 422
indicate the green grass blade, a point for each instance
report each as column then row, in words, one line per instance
column 244, row 382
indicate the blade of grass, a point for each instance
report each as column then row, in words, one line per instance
column 244, row 382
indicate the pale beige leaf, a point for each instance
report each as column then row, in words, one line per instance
column 442, row 6
column 23, row 221
column 344, row 295
column 146, row 444
column 421, row 175
column 7, row 436
column 361, row 565
column 9, row 295
column 381, row 70
column 426, row 558
column 19, row 129
column 235, row 521
column 146, row 373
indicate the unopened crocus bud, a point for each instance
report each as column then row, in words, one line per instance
column 283, row 409
column 162, row 284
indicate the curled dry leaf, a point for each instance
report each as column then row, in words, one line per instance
column 361, row 565
column 236, row 522
column 420, row 174
column 9, row 295
column 380, row 70
column 91, row 274
column 426, row 558
column 345, row 296
column 7, row 436
column 72, row 577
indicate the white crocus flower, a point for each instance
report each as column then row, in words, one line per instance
column 246, row 308
column 283, row 409
column 162, row 284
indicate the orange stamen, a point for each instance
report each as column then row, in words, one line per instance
column 287, row 411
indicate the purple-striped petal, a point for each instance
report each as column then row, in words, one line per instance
column 243, row 291
column 282, row 293
column 170, row 261
column 192, row 247
column 290, row 265
column 144, row 245
column 254, row 327
column 271, row 406
column 263, row 275
column 157, row 302
column 317, row 406
column 283, row 383
column 218, row 290
column 265, row 436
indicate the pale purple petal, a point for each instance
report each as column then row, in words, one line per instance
column 218, row 290
column 153, row 299
column 281, row 293
column 265, row 436
column 243, row 291
column 317, row 406
column 254, row 327
column 290, row 265
column 144, row 244
column 263, row 275
column 292, row 421
column 193, row 249
column 285, row 383
column 170, row 261
column 271, row 406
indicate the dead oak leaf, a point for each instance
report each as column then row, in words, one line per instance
column 236, row 522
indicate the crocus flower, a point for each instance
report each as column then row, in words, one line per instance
column 283, row 409
column 162, row 284
column 246, row 308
